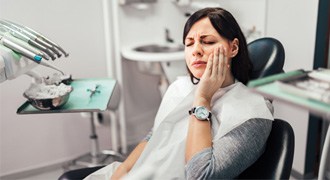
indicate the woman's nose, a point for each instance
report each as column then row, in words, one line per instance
column 198, row 50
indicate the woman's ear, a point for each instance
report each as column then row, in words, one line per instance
column 234, row 48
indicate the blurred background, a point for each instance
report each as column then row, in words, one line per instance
column 97, row 35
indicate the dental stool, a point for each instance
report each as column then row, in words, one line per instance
column 96, row 157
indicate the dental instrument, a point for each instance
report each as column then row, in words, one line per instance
column 23, row 43
column 25, row 38
column 51, row 66
column 20, row 49
column 38, row 37
column 94, row 90
column 47, row 40
column 30, row 35
column 27, row 53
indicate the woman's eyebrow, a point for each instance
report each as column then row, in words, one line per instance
column 204, row 36
column 189, row 38
column 201, row 37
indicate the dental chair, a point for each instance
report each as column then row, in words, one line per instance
column 276, row 161
column 267, row 56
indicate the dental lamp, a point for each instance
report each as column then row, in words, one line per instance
column 22, row 49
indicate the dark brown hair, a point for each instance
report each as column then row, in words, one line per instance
column 226, row 25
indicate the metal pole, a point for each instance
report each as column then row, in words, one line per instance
column 324, row 156
column 95, row 144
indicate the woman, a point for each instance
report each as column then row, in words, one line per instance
column 226, row 128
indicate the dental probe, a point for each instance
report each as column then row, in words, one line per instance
column 31, row 35
column 51, row 66
column 25, row 38
column 23, row 51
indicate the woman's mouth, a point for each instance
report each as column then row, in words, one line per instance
column 198, row 63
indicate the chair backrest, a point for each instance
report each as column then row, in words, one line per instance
column 267, row 56
column 276, row 161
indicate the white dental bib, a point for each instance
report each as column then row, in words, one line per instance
column 164, row 154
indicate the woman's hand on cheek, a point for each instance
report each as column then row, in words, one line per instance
column 214, row 75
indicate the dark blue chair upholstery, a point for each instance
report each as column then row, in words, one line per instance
column 267, row 56
column 276, row 161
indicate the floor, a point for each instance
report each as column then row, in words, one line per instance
column 55, row 173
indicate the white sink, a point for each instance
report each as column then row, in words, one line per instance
column 154, row 52
column 166, row 60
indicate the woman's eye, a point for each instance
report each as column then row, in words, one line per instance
column 208, row 42
column 189, row 44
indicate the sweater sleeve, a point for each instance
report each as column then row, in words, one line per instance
column 232, row 154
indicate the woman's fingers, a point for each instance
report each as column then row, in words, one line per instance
column 209, row 65
column 215, row 61
column 224, row 65
column 219, row 62
column 219, row 67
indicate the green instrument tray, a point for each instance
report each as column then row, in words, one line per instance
column 80, row 99
column 269, row 88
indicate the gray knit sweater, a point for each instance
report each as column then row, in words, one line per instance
column 232, row 154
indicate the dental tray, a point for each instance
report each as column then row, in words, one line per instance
column 314, row 85
column 269, row 87
column 88, row 95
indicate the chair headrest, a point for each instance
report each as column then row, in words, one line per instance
column 267, row 56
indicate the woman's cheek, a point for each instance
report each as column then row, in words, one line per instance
column 208, row 50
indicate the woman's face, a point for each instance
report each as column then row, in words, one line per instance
column 199, row 44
